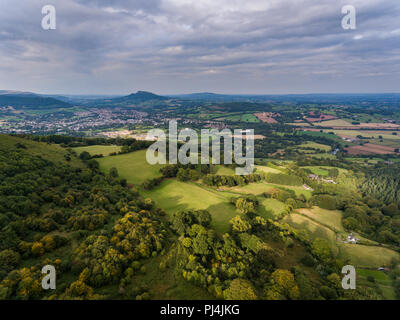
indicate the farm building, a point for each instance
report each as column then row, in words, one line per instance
column 352, row 239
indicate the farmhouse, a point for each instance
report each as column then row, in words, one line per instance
column 328, row 181
column 334, row 152
column 348, row 139
column 352, row 239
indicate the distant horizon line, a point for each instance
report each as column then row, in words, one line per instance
column 201, row 92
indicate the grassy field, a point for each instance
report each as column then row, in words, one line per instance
column 363, row 117
column 267, row 169
column 224, row 171
column 173, row 195
column 131, row 166
column 302, row 124
column 318, row 170
column 367, row 256
column 334, row 123
column 321, row 134
column 252, row 188
column 314, row 145
column 388, row 292
column 379, row 276
column 366, row 133
column 270, row 207
column 384, row 138
column 104, row 150
column 365, row 160
column 323, row 156
column 314, row 229
column 249, row 118
column 330, row 218
column 241, row 117
column 261, row 187
column 298, row 190
column 388, row 143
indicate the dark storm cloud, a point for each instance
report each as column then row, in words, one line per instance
column 261, row 46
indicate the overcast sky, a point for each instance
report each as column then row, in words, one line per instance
column 183, row 46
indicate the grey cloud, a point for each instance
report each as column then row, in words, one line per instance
column 106, row 46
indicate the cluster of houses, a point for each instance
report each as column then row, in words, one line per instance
column 318, row 178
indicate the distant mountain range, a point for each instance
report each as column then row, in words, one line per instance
column 29, row 100
column 13, row 92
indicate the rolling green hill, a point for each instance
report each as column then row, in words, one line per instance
column 50, row 152
column 132, row 166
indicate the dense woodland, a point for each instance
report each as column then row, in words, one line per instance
column 241, row 266
column 91, row 226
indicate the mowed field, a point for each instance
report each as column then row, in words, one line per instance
column 343, row 124
column 267, row 169
column 240, row 118
column 267, row 117
column 270, row 208
column 93, row 150
column 365, row 133
column 224, row 171
column 329, row 218
column 301, row 124
column 320, row 118
column 131, row 166
column 367, row 256
column 335, row 123
column 261, row 187
column 314, row 229
column 173, row 196
column 379, row 276
column 370, row 148
column 321, row 171
column 313, row 145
